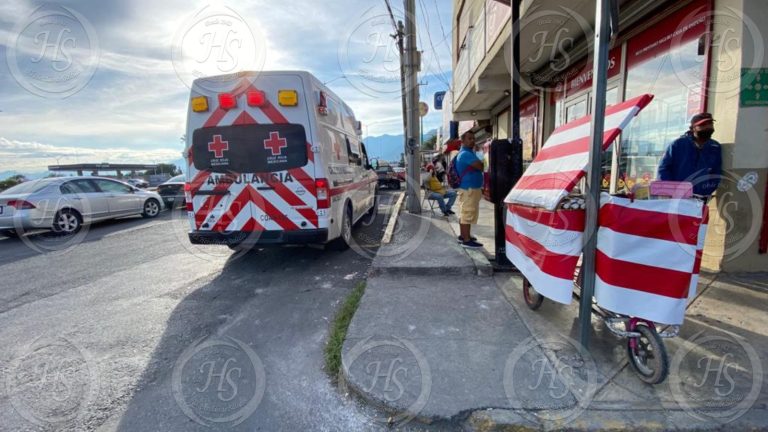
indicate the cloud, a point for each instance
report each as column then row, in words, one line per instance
column 26, row 156
column 135, row 104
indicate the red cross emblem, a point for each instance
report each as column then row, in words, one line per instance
column 218, row 147
column 275, row 143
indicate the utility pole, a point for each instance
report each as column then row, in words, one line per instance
column 413, row 197
column 401, row 50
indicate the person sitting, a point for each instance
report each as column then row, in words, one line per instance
column 438, row 193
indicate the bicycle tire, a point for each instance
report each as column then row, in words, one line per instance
column 648, row 346
column 532, row 298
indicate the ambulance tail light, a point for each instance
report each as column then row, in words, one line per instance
column 188, row 196
column 256, row 98
column 227, row 101
column 323, row 193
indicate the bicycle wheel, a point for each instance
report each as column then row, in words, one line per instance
column 648, row 355
column 532, row 298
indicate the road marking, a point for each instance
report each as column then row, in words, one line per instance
column 392, row 220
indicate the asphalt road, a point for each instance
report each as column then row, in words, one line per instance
column 132, row 328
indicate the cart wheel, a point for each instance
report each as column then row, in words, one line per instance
column 648, row 355
column 532, row 298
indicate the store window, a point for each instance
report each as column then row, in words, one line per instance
column 662, row 64
column 529, row 111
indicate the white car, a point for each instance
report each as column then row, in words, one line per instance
column 64, row 204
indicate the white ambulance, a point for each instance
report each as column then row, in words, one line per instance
column 274, row 158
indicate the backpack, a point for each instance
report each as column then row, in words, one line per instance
column 454, row 179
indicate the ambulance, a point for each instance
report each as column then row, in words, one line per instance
column 274, row 158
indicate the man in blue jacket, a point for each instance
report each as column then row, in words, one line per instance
column 695, row 157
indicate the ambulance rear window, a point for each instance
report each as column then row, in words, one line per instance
column 250, row 148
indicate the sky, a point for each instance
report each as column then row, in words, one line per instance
column 108, row 81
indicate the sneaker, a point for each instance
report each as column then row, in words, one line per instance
column 472, row 245
column 450, row 212
column 446, row 214
column 461, row 240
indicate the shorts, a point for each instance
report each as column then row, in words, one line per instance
column 469, row 202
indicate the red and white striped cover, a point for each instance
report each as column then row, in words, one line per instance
column 545, row 246
column 699, row 252
column 562, row 161
column 645, row 256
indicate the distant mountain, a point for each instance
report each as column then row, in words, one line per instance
column 388, row 147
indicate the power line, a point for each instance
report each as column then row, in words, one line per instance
column 439, row 75
column 391, row 16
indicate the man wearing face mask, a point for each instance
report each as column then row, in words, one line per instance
column 694, row 157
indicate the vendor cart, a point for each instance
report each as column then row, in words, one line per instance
column 648, row 250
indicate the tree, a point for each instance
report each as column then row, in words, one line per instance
column 430, row 143
column 12, row 181
column 168, row 169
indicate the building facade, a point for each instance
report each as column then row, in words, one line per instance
column 693, row 56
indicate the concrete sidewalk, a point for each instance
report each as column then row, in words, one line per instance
column 434, row 341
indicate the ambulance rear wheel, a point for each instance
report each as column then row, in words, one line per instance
column 532, row 299
column 343, row 242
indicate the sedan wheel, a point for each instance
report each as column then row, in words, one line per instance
column 66, row 222
column 151, row 208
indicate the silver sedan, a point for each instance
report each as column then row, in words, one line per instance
column 64, row 204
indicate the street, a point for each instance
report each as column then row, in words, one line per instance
column 108, row 335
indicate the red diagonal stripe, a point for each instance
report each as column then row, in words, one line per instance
column 288, row 196
column 641, row 277
column 272, row 211
column 198, row 181
column 252, row 225
column 212, row 201
column 556, row 265
column 241, row 202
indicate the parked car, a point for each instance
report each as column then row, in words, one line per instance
column 65, row 204
column 387, row 177
column 400, row 172
column 139, row 183
column 172, row 191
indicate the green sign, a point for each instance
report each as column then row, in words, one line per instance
column 754, row 87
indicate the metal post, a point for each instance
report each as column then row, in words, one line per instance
column 421, row 131
column 514, row 112
column 413, row 197
column 599, row 83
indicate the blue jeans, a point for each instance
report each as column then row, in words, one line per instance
column 450, row 195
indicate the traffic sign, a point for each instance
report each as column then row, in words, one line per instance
column 423, row 108
column 439, row 96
